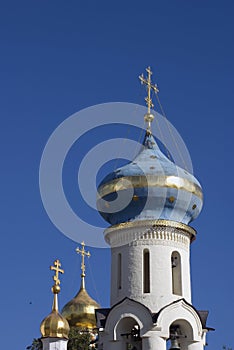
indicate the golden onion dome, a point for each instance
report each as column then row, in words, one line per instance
column 80, row 311
column 55, row 325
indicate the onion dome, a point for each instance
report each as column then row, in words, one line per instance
column 151, row 187
column 55, row 325
column 80, row 311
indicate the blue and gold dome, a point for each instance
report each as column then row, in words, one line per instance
column 151, row 187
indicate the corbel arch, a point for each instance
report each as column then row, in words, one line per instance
column 185, row 316
column 131, row 311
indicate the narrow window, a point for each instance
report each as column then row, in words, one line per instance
column 119, row 275
column 146, row 271
column 176, row 273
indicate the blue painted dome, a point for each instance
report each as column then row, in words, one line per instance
column 151, row 187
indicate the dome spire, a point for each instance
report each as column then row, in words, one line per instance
column 152, row 186
column 149, row 117
column 56, row 286
column 83, row 254
column 55, row 325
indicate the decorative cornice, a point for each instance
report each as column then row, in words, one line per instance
column 153, row 224
column 152, row 232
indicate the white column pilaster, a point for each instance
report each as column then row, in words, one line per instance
column 196, row 345
column 54, row 343
column 153, row 342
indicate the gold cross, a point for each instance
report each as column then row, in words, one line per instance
column 150, row 87
column 57, row 269
column 83, row 253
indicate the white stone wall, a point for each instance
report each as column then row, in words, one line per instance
column 161, row 243
column 54, row 343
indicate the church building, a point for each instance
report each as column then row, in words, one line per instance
column 151, row 303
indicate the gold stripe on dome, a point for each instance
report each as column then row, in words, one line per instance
column 153, row 224
column 142, row 181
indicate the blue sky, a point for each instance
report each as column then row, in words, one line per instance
column 59, row 57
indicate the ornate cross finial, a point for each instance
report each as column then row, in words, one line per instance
column 57, row 270
column 147, row 81
column 83, row 254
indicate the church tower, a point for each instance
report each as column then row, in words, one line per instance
column 150, row 251
column 55, row 328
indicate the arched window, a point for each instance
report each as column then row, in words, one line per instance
column 146, row 271
column 176, row 273
column 128, row 334
column 119, row 273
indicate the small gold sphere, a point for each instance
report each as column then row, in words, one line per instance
column 149, row 117
column 56, row 289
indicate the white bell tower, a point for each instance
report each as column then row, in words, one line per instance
column 150, row 251
column 153, row 267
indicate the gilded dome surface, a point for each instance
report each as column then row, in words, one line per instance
column 55, row 326
column 80, row 311
column 155, row 187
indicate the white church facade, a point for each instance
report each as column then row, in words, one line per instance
column 151, row 303
column 150, row 250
